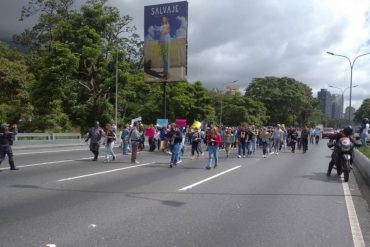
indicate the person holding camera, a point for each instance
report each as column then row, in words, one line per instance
column 95, row 134
column 6, row 141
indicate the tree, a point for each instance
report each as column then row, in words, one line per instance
column 14, row 82
column 94, row 37
column 287, row 101
column 239, row 109
column 363, row 111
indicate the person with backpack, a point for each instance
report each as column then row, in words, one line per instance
column 110, row 137
column 228, row 139
column 134, row 138
column 94, row 135
column 195, row 138
column 124, row 137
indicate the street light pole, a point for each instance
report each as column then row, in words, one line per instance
column 222, row 98
column 116, row 105
column 350, row 87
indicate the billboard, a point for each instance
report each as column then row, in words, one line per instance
column 165, row 42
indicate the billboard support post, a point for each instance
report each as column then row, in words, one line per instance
column 164, row 100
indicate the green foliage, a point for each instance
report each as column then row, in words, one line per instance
column 363, row 111
column 68, row 79
column 14, row 83
column 287, row 100
column 238, row 109
column 365, row 151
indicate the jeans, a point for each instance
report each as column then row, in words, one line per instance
column 7, row 150
column 109, row 150
column 125, row 147
column 254, row 143
column 249, row 147
column 134, row 148
column 363, row 139
column 241, row 147
column 264, row 148
column 175, row 150
column 200, row 147
column 194, row 147
column 277, row 143
column 213, row 152
column 227, row 148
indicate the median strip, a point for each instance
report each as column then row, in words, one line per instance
column 207, row 179
column 104, row 172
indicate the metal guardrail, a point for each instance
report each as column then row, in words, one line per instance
column 45, row 138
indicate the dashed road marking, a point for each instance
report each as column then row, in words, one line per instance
column 207, row 179
column 104, row 172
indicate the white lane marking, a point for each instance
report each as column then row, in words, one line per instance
column 51, row 151
column 207, row 179
column 51, row 162
column 358, row 240
column 99, row 173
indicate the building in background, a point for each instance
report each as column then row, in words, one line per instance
column 346, row 114
column 336, row 106
column 325, row 99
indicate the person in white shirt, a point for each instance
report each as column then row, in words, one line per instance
column 277, row 137
column 364, row 131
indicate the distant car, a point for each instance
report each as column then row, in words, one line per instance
column 328, row 132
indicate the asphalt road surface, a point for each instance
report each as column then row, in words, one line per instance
column 59, row 197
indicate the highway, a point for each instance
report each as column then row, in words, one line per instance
column 59, row 197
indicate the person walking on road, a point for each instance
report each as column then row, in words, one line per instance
column 228, row 139
column 6, row 141
column 195, row 138
column 277, row 137
column 242, row 140
column 124, row 138
column 304, row 138
column 364, row 131
column 213, row 142
column 134, row 138
column 95, row 134
column 176, row 142
column 265, row 139
column 109, row 143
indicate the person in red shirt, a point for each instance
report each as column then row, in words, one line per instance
column 213, row 142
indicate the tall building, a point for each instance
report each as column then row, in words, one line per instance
column 325, row 102
column 353, row 110
column 336, row 106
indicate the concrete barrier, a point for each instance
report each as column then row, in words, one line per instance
column 362, row 163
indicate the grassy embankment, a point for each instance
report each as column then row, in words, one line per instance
column 365, row 150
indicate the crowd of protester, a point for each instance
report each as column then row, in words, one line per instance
column 237, row 141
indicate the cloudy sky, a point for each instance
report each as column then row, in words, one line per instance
column 243, row 39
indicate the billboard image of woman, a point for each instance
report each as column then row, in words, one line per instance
column 165, row 42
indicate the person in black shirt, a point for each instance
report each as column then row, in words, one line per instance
column 176, row 136
column 6, row 141
column 293, row 137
